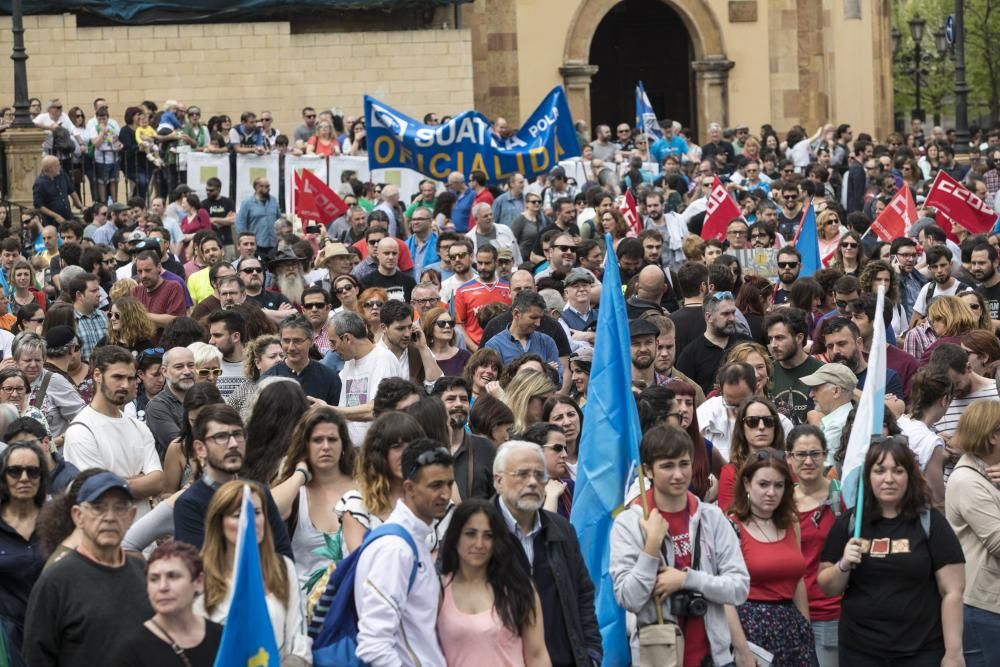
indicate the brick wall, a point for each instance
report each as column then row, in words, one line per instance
column 235, row 67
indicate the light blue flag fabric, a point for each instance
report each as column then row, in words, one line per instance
column 808, row 244
column 645, row 117
column 248, row 638
column 608, row 457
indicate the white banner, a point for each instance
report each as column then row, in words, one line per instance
column 203, row 166
column 317, row 164
column 407, row 180
column 251, row 167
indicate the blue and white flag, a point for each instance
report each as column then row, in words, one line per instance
column 807, row 243
column 645, row 117
column 248, row 637
column 467, row 143
column 869, row 414
column 608, row 457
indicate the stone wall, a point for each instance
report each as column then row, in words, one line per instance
column 234, row 67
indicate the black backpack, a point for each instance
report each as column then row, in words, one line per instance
column 63, row 144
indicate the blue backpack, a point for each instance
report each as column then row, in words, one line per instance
column 334, row 626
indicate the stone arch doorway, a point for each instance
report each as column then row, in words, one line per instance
column 641, row 40
column 705, row 97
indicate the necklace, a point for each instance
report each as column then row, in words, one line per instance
column 174, row 646
column 767, row 538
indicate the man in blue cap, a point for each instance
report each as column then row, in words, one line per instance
column 85, row 601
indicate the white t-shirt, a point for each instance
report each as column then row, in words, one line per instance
column 231, row 379
column 123, row 445
column 451, row 284
column 923, row 441
column 920, row 305
column 359, row 380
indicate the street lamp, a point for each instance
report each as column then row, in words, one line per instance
column 22, row 115
column 917, row 63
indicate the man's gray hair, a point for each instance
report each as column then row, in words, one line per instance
column 526, row 299
column 349, row 322
column 70, row 273
column 553, row 300
column 512, row 447
column 712, row 304
column 481, row 206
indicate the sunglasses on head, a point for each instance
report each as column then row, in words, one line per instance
column 721, row 296
column 439, row 456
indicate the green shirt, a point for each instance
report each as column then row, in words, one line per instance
column 791, row 397
column 420, row 204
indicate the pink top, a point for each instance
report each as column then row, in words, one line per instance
column 479, row 640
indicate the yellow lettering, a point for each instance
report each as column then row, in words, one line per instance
column 435, row 171
column 420, row 162
column 384, row 149
column 478, row 164
column 460, row 162
column 559, row 150
column 537, row 165
column 520, row 163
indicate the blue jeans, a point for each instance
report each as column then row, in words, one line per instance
column 826, row 642
column 979, row 637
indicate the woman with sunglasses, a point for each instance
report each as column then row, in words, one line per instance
column 977, row 304
column 490, row 614
column 902, row 579
column 129, row 325
column 818, row 503
column 356, row 142
column 24, row 485
column 566, row 414
column 775, row 616
column 439, row 330
column 14, row 390
column 323, row 143
column 346, row 288
column 207, row 362
column 849, row 256
column 758, row 426
column 828, row 231
column 29, row 318
column 370, row 304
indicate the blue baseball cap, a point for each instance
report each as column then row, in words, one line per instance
column 96, row 486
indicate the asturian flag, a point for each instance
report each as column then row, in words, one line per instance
column 645, row 117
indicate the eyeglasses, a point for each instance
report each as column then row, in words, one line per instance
column 721, row 296
column 420, row 219
column 16, row 472
column 755, row 422
column 736, row 232
column 444, row 324
column 222, row 438
column 101, row 509
column 814, row 455
column 522, row 475
column 373, row 304
column 252, row 269
column 209, row 372
column 558, row 449
column 112, row 316
column 439, row 456
column 345, row 289
column 315, row 305
column 429, row 301
column 565, row 248
column 10, row 391
column 848, row 245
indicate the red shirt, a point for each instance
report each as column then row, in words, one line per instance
column 696, row 644
column 814, row 526
column 775, row 567
column 405, row 259
column 727, row 486
column 167, row 299
column 472, row 296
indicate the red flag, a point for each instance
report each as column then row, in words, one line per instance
column 314, row 200
column 958, row 204
column 631, row 213
column 722, row 210
column 897, row 218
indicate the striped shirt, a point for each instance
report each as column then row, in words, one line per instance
column 948, row 424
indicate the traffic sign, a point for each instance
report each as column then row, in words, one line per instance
column 949, row 29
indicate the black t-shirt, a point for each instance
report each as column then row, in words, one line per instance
column 269, row 299
column 689, row 325
column 547, row 325
column 892, row 606
column 144, row 648
column 791, row 397
column 992, row 297
column 398, row 285
column 220, row 208
column 700, row 360
column 709, row 150
column 788, row 226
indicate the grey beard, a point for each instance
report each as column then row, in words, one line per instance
column 291, row 285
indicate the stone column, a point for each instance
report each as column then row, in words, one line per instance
column 711, row 89
column 23, row 150
column 576, row 77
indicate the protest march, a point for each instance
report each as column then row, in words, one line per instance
column 392, row 390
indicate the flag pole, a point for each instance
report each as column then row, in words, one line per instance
column 645, row 515
column 859, row 504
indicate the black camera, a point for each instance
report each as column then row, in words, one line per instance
column 688, row 603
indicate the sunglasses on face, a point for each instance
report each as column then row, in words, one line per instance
column 373, row 304
column 16, row 472
column 444, row 324
column 345, row 289
column 848, row 245
column 209, row 372
column 252, row 269
column 755, row 422
column 316, row 305
column 787, row 265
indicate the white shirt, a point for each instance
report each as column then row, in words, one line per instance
column 359, row 380
column 920, row 304
column 451, row 284
column 123, row 445
column 923, row 441
column 396, row 625
column 832, row 426
column 716, row 424
column 505, row 239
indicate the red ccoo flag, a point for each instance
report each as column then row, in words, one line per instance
column 958, row 204
column 631, row 213
column 720, row 212
column 897, row 218
column 314, row 200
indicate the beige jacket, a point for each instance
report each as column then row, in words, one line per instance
column 972, row 506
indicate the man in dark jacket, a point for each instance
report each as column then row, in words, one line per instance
column 551, row 552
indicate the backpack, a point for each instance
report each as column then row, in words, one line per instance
column 334, row 627
column 63, row 143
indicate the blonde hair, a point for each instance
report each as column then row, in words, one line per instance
column 122, row 288
column 205, row 353
column 254, row 350
column 979, row 421
column 953, row 313
column 743, row 350
column 218, row 568
column 136, row 325
column 522, row 388
column 693, row 248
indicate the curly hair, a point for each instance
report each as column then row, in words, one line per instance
column 374, row 476
column 866, row 281
column 254, row 351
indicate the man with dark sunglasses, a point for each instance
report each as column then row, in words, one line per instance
column 790, row 214
column 789, row 265
column 274, row 304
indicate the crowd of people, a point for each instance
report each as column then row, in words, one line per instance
column 425, row 364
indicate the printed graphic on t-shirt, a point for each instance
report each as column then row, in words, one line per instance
column 682, row 545
column 357, row 392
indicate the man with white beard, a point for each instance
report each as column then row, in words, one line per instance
column 288, row 278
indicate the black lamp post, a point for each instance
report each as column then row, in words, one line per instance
column 22, row 116
column 917, row 62
column 961, row 86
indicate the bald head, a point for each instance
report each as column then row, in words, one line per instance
column 521, row 280
column 651, row 283
column 50, row 165
column 387, row 255
column 456, row 181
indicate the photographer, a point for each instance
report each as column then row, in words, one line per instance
column 695, row 572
